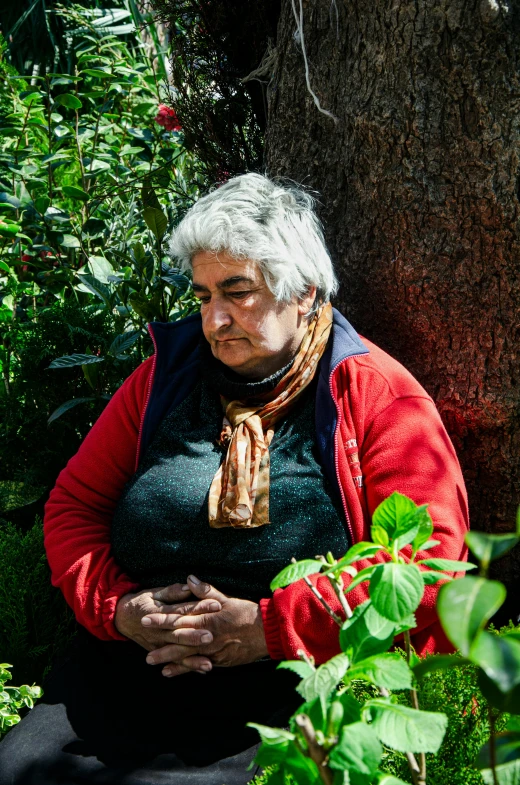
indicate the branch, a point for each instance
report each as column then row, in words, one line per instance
column 337, row 585
column 317, row 594
column 315, row 751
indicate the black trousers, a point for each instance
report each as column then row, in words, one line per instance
column 108, row 717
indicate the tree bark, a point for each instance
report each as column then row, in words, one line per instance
column 419, row 184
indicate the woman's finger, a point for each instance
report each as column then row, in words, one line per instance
column 177, row 654
column 168, row 621
column 204, row 590
column 176, row 592
column 199, row 622
column 190, row 664
column 192, row 608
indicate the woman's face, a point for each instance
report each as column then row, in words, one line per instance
column 247, row 329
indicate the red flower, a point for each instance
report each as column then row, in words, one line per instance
column 167, row 118
column 26, row 258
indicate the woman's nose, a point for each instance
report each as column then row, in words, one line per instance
column 215, row 316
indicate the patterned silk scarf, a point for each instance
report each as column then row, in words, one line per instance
column 239, row 493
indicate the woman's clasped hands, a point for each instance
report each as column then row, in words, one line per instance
column 185, row 634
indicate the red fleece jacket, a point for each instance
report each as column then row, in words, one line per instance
column 389, row 437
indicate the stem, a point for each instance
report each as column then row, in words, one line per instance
column 492, row 747
column 323, row 601
column 419, row 777
column 315, row 752
column 337, row 585
column 49, row 135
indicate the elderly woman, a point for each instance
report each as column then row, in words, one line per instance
column 263, row 428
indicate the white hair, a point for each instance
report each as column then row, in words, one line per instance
column 252, row 217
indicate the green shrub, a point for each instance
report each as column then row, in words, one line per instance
column 14, row 699
column 36, row 624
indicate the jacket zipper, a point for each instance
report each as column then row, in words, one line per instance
column 336, row 448
column 148, row 394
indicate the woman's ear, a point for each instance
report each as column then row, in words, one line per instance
column 306, row 302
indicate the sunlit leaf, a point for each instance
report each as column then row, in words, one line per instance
column 301, row 668
column 324, row 679
column 396, row 590
column 358, row 751
column 405, row 729
column 68, row 100
column 384, row 670
column 293, row 572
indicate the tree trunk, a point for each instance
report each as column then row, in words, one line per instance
column 420, row 200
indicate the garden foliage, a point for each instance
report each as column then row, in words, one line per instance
column 343, row 735
column 92, row 172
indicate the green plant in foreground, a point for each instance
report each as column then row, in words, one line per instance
column 336, row 738
column 12, row 699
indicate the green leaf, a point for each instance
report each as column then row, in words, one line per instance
column 351, row 707
column 363, row 575
column 504, row 701
column 438, row 662
column 75, row 193
column 122, row 343
column 430, row 544
column 447, row 564
column 405, row 729
column 383, row 670
column 361, row 550
column 100, row 268
column 69, row 241
column 388, row 779
column 68, row 100
column 396, row 590
column 90, row 284
column 488, row 547
column 366, row 633
column 507, row 748
column 324, row 679
column 42, row 204
column 315, row 710
column 465, row 606
column 156, row 221
column 5, row 267
column 94, row 227
column 148, row 196
column 395, row 517
column 275, row 743
column 424, row 532
column 499, row 658
column 303, row 770
column 70, row 360
column 9, row 229
column 66, row 406
column 272, row 735
column 432, row 576
column 293, row 572
column 301, row 668
column 358, row 751
column 507, row 774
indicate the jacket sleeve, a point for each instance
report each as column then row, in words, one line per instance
column 80, row 508
column 405, row 449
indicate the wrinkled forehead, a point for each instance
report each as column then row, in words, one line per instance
column 220, row 269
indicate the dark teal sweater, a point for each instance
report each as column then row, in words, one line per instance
column 160, row 532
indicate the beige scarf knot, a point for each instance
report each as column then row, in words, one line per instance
column 239, row 493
